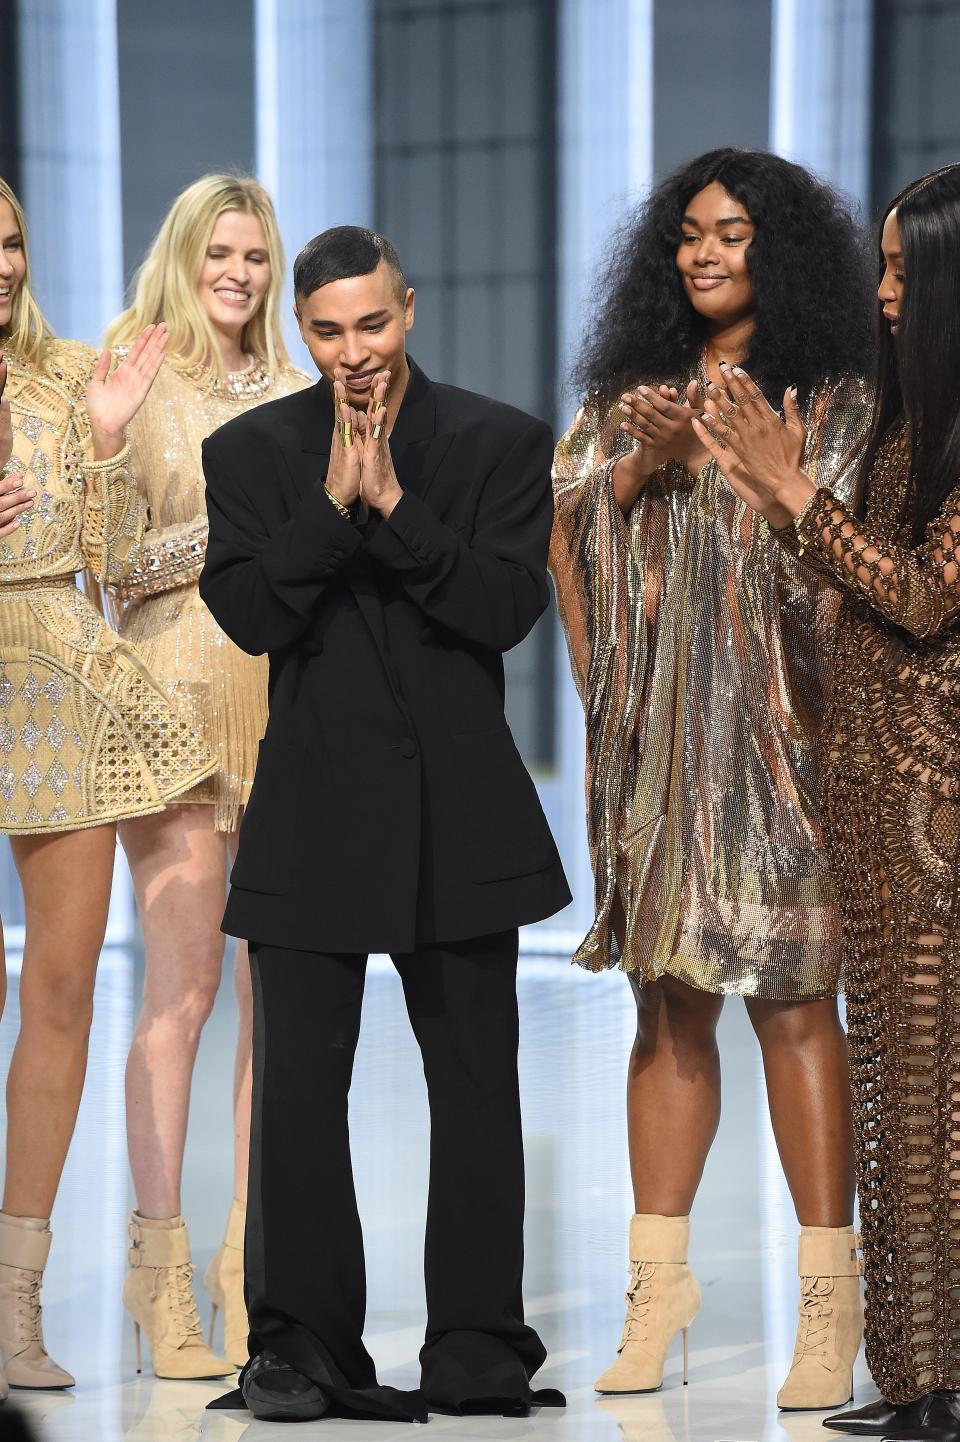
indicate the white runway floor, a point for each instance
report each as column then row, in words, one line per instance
column 576, row 1036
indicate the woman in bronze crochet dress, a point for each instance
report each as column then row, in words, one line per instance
column 215, row 275
column 699, row 647
column 87, row 739
column 892, row 786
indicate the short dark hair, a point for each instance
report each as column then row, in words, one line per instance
column 340, row 253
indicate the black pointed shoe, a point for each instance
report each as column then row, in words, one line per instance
column 275, row 1392
column 880, row 1418
column 940, row 1421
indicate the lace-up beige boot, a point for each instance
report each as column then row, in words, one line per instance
column 830, row 1327
column 158, row 1294
column 24, row 1248
column 662, row 1299
column 223, row 1279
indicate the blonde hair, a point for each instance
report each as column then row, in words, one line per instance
column 28, row 334
column 166, row 283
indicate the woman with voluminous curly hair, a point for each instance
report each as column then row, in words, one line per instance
column 699, row 648
column 214, row 275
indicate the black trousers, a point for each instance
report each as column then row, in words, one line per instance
column 306, row 1287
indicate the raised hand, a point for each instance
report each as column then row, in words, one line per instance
column 379, row 485
column 113, row 399
column 343, row 474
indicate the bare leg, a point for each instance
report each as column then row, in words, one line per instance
column 673, row 1094
column 804, row 1052
column 178, row 862
column 66, row 882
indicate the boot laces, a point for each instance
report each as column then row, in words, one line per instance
column 639, row 1300
column 179, row 1280
column 27, row 1288
column 813, row 1333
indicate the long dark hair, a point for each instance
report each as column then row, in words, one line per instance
column 808, row 265
column 918, row 375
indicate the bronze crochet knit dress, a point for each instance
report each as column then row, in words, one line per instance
column 893, row 837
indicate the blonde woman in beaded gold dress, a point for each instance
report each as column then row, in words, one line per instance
column 698, row 649
column 87, row 738
column 892, row 788
column 214, row 275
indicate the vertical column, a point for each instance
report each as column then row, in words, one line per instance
column 70, row 135
column 820, row 93
column 605, row 106
column 314, row 118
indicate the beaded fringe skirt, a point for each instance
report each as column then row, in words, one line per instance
column 219, row 688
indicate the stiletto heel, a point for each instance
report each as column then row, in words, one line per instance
column 158, row 1294
column 830, row 1324
column 662, row 1299
column 136, row 1342
column 686, row 1356
column 213, row 1322
column 223, row 1279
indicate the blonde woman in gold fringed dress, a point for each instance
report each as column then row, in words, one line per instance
column 700, row 652
column 892, row 788
column 214, row 274
column 87, row 739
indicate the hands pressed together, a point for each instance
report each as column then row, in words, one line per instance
column 112, row 400
column 361, row 466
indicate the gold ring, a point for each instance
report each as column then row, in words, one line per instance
column 347, row 434
column 377, row 432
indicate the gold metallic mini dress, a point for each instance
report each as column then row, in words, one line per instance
column 86, row 734
column 221, row 689
column 700, row 648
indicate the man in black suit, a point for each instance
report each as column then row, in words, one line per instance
column 384, row 539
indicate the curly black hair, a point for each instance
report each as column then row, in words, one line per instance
column 809, row 263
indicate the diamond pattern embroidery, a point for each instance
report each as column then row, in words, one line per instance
column 32, row 779
column 56, row 733
column 56, row 778
column 8, row 737
column 31, row 735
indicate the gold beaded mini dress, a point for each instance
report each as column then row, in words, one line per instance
column 221, row 689
column 86, row 734
column 892, row 814
column 700, row 650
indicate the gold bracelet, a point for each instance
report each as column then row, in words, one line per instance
column 344, row 510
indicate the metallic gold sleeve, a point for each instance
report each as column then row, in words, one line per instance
column 168, row 557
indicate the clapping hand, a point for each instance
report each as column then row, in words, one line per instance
column 758, row 452
column 661, row 424
column 113, row 398
column 14, row 497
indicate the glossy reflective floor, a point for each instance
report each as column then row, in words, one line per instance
column 576, row 1035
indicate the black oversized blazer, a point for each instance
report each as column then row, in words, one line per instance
column 390, row 805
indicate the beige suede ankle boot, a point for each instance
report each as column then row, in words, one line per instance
column 158, row 1294
column 223, row 1280
column 830, row 1327
column 662, row 1299
column 24, row 1248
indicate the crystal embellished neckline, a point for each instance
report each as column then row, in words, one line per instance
column 240, row 385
